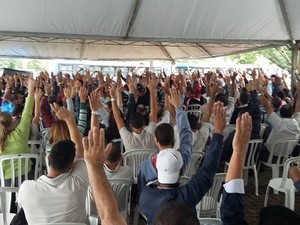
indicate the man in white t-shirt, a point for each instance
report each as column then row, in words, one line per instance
column 141, row 137
column 285, row 126
column 60, row 196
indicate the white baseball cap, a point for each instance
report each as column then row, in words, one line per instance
column 169, row 163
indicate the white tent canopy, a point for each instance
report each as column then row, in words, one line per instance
column 144, row 29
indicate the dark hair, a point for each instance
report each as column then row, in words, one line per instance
column 62, row 155
column 18, row 109
column 115, row 153
column 137, row 120
column 286, row 111
column 244, row 98
column 276, row 102
column 281, row 94
column 164, row 134
column 175, row 213
column 193, row 121
column 222, row 98
column 278, row 215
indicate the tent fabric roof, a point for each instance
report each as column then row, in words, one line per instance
column 144, row 29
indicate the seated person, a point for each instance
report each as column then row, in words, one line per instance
column 169, row 163
column 60, row 196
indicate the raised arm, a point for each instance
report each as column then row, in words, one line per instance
column 116, row 112
column 37, row 108
column 153, row 102
column 262, row 99
column 104, row 197
column 64, row 114
column 95, row 104
column 297, row 107
column 232, row 208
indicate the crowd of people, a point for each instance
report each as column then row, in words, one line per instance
column 87, row 122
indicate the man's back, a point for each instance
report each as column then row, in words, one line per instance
column 59, row 199
column 283, row 128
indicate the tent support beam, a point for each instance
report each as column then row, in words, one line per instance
column 82, row 49
column 166, row 53
column 205, row 50
column 285, row 18
column 132, row 16
column 295, row 62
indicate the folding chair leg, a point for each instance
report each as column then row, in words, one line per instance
column 267, row 196
column 256, row 180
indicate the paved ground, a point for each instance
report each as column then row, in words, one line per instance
column 254, row 203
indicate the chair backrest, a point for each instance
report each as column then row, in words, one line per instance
column 62, row 223
column 282, row 150
column 37, row 147
column 19, row 165
column 194, row 163
column 287, row 164
column 208, row 205
column 210, row 221
column 122, row 190
column 228, row 129
column 135, row 158
column 263, row 126
column 5, row 194
column 252, row 152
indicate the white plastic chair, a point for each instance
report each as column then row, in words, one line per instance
column 250, row 161
column 263, row 126
column 194, row 163
column 208, row 206
column 210, row 221
column 37, row 147
column 16, row 163
column 122, row 191
column 62, row 223
column 282, row 150
column 5, row 215
column 228, row 129
column 284, row 184
column 135, row 158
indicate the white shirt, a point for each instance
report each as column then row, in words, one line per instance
column 200, row 137
column 283, row 128
column 59, row 199
column 134, row 141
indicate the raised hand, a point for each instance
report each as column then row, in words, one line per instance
column 38, row 95
column 61, row 112
column 112, row 90
column 94, row 100
column 67, row 92
column 174, row 99
column 242, row 133
column 94, row 150
column 83, row 94
column 219, row 117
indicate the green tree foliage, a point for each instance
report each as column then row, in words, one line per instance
column 37, row 65
column 11, row 63
column 281, row 56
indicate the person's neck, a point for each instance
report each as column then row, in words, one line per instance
column 111, row 165
column 167, row 186
column 138, row 131
column 160, row 148
column 52, row 173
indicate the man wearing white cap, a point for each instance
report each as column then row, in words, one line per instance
column 169, row 164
